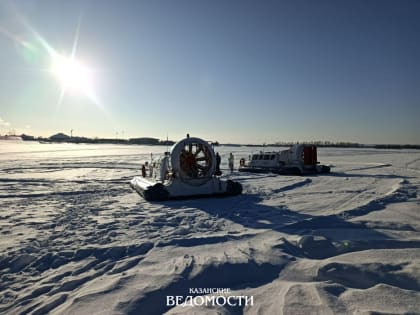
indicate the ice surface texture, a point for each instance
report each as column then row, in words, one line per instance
column 75, row 239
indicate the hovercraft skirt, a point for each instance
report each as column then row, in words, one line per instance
column 159, row 192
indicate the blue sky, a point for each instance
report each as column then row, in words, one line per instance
column 233, row 71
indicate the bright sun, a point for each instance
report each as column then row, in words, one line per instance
column 72, row 74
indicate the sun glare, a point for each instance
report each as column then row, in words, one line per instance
column 72, row 74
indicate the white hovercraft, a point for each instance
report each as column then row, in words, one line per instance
column 187, row 171
column 300, row 159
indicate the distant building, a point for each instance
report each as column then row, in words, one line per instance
column 10, row 137
column 60, row 137
column 167, row 142
column 147, row 141
column 27, row 137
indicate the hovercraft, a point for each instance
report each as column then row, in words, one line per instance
column 187, row 171
column 300, row 159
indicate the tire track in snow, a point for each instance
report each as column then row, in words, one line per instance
column 401, row 192
column 67, row 193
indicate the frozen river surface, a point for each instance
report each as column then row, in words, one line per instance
column 75, row 239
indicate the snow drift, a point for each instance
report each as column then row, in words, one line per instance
column 75, row 239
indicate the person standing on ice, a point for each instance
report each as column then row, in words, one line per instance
column 164, row 166
column 231, row 161
column 143, row 170
column 218, row 160
column 151, row 169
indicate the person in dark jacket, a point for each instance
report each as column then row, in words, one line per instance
column 218, row 160
column 231, row 161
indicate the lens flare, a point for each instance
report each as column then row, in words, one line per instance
column 72, row 74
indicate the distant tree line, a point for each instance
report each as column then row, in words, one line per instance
column 60, row 137
column 343, row 144
column 397, row 146
column 63, row 138
column 330, row 144
column 318, row 143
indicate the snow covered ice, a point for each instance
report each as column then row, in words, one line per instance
column 76, row 239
